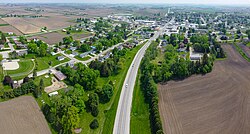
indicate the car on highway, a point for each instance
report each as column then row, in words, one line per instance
column 126, row 85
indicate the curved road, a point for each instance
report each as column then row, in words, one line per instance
column 122, row 119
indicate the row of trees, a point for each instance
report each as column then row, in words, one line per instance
column 3, row 38
column 149, row 89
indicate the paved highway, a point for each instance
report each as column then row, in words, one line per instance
column 122, row 119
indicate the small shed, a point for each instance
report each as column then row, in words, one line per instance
column 53, row 93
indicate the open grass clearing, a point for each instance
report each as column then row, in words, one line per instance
column 43, row 62
column 84, row 58
column 140, row 122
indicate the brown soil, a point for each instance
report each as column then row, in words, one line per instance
column 22, row 115
column 216, row 103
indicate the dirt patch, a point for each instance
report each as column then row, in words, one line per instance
column 22, row 115
column 217, row 103
column 56, row 85
column 10, row 65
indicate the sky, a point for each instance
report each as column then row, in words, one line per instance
column 221, row 2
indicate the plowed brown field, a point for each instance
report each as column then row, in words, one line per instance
column 22, row 115
column 216, row 103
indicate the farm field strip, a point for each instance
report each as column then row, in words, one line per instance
column 216, row 103
column 22, row 115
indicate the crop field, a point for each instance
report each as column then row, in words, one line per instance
column 56, row 37
column 216, row 103
column 245, row 49
column 9, row 28
column 50, row 38
column 22, row 115
column 52, row 22
column 23, row 25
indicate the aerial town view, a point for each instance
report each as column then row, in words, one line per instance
column 124, row 67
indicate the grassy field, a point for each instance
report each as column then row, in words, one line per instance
column 47, row 81
column 25, row 68
column 84, row 58
column 43, row 62
column 107, row 111
column 140, row 123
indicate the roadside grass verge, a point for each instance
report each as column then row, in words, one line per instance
column 140, row 122
column 111, row 112
column 107, row 111
column 25, row 68
column 241, row 52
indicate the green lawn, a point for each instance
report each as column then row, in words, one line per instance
column 84, row 58
column 107, row 111
column 140, row 123
column 248, row 44
column 25, row 68
column 43, row 62
column 47, row 81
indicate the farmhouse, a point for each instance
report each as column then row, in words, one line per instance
column 195, row 57
column 60, row 58
column 72, row 48
column 21, row 46
column 60, row 76
column 74, row 53
column 22, row 53
column 84, row 54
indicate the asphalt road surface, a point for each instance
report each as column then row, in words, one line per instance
column 122, row 119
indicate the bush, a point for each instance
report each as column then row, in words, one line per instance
column 94, row 124
column 95, row 111
column 7, row 80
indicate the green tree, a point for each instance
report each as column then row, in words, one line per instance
column 85, row 48
column 105, row 93
column 70, row 120
column 43, row 49
column 99, row 46
column 93, row 103
column 32, row 48
column 3, row 39
column 94, row 124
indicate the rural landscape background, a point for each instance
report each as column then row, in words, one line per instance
column 139, row 67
